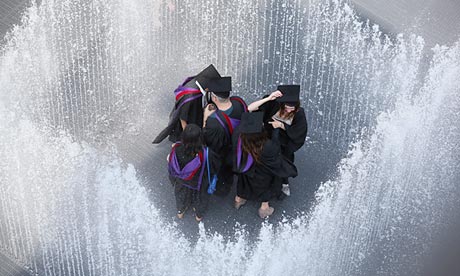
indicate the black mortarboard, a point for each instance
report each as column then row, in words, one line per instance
column 290, row 93
column 204, row 76
column 252, row 122
column 220, row 86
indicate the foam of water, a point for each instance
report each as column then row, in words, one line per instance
column 76, row 76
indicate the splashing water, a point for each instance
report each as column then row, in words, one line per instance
column 79, row 79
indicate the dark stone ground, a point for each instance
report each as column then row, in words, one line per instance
column 315, row 164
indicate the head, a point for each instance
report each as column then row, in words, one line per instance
column 253, row 143
column 288, row 109
column 192, row 138
column 289, row 102
column 219, row 98
column 252, row 135
column 219, row 89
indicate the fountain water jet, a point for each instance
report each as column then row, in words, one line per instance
column 82, row 84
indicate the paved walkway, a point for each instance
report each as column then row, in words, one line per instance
column 437, row 21
column 10, row 13
column 9, row 268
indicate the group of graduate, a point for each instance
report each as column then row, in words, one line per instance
column 220, row 141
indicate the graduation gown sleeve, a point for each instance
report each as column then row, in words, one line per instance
column 269, row 108
column 265, row 182
column 274, row 161
column 192, row 112
column 214, row 136
column 297, row 131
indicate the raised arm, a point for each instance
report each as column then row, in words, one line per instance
column 207, row 111
column 255, row 105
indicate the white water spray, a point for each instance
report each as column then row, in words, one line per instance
column 78, row 79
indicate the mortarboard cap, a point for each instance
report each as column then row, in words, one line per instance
column 220, row 86
column 290, row 93
column 204, row 76
column 208, row 73
column 252, row 122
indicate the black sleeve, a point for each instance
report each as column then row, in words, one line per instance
column 276, row 136
column 271, row 156
column 297, row 132
column 269, row 108
column 214, row 162
column 185, row 111
column 192, row 112
column 214, row 135
column 265, row 106
column 275, row 161
column 240, row 105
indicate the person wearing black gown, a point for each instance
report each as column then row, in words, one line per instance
column 221, row 117
column 188, row 165
column 188, row 108
column 282, row 110
column 258, row 163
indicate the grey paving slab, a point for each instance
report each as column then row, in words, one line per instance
column 10, row 268
column 437, row 21
column 10, row 13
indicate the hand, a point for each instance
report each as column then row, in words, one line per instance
column 274, row 95
column 277, row 124
column 211, row 106
column 209, row 109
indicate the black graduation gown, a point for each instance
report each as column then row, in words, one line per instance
column 263, row 181
column 219, row 140
column 291, row 139
column 216, row 136
column 186, row 197
column 190, row 111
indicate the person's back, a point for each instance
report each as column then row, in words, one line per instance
column 282, row 110
column 260, row 182
column 192, row 112
column 218, row 127
column 258, row 164
column 188, row 108
column 187, row 172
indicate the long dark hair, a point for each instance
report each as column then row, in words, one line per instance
column 192, row 139
column 253, row 143
column 292, row 114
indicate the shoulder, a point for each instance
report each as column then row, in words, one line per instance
column 237, row 99
column 177, row 148
column 270, row 106
column 239, row 102
column 212, row 123
column 211, row 119
column 300, row 115
column 176, row 145
column 185, row 104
